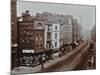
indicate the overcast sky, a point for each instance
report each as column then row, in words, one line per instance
column 80, row 12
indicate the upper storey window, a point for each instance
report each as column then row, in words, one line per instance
column 39, row 26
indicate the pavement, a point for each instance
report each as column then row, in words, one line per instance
column 37, row 69
column 69, row 63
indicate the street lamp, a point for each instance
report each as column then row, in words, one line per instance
column 43, row 58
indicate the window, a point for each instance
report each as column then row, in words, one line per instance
column 48, row 35
column 28, row 41
column 36, row 38
column 48, row 29
column 37, row 35
column 59, row 20
column 55, row 44
column 41, row 45
column 55, row 27
column 40, row 38
column 27, row 33
column 41, row 34
column 37, row 46
column 39, row 25
column 55, row 35
column 48, row 25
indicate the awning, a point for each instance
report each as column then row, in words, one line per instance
column 76, row 43
column 14, row 45
column 28, row 51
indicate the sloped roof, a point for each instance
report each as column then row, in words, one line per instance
column 56, row 18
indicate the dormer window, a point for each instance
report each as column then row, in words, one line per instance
column 39, row 26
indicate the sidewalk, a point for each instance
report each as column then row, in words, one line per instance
column 23, row 69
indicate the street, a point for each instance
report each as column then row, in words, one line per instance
column 70, row 63
column 77, row 59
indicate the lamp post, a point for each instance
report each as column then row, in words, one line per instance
column 14, row 56
column 43, row 60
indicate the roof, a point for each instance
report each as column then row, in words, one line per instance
column 56, row 18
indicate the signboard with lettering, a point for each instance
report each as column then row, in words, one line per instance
column 28, row 51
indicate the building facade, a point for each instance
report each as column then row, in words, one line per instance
column 60, row 29
column 31, row 33
column 30, row 36
column 56, row 36
column 52, row 35
column 48, row 36
column 93, row 33
column 25, row 35
column 67, row 30
column 75, row 31
column 39, row 25
column 14, row 44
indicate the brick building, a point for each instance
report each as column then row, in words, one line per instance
column 13, row 35
column 39, row 25
column 25, row 32
column 13, row 22
column 30, row 33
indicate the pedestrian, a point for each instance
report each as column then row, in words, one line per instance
column 89, row 63
column 43, row 61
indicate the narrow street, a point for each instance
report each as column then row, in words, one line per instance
column 52, row 40
column 75, row 60
column 71, row 63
